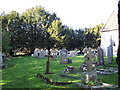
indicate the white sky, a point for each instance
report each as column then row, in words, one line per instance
column 73, row 13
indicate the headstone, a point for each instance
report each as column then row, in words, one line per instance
column 72, row 54
column 94, row 57
column 41, row 54
column 109, row 54
column 90, row 74
column 46, row 52
column 85, row 53
column 54, row 54
column 35, row 53
column 63, row 56
column 100, row 56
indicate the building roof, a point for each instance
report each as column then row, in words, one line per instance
column 112, row 23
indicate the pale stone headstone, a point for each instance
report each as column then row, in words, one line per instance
column 100, row 56
column 54, row 54
column 72, row 54
column 35, row 53
column 85, row 53
column 41, row 53
column 46, row 52
column 109, row 54
column 63, row 56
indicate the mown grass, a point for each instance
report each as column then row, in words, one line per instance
column 21, row 72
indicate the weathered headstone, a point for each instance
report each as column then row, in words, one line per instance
column 63, row 56
column 100, row 56
column 35, row 53
column 41, row 53
column 90, row 74
column 94, row 57
column 85, row 53
column 46, row 52
column 109, row 54
column 54, row 54
column 72, row 54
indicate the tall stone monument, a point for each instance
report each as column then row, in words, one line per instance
column 90, row 74
column 63, row 56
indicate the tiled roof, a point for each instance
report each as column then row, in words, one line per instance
column 112, row 23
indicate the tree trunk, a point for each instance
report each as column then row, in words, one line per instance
column 11, row 53
column 118, row 53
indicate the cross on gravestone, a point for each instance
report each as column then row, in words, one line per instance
column 100, row 56
column 63, row 56
column 85, row 53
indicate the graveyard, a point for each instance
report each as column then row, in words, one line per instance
column 21, row 72
column 38, row 50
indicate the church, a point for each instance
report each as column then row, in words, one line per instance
column 110, row 34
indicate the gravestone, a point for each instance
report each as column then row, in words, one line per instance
column 90, row 74
column 46, row 52
column 94, row 57
column 100, row 56
column 85, row 53
column 63, row 56
column 35, row 55
column 109, row 54
column 41, row 53
column 54, row 54
column 72, row 54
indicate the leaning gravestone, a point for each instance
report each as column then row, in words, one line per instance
column 63, row 56
column 90, row 74
column 41, row 53
column 109, row 54
column 100, row 56
column 35, row 53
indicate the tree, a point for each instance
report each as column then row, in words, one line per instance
column 118, row 53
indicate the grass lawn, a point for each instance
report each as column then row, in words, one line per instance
column 21, row 72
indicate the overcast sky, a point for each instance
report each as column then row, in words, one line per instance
column 73, row 13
